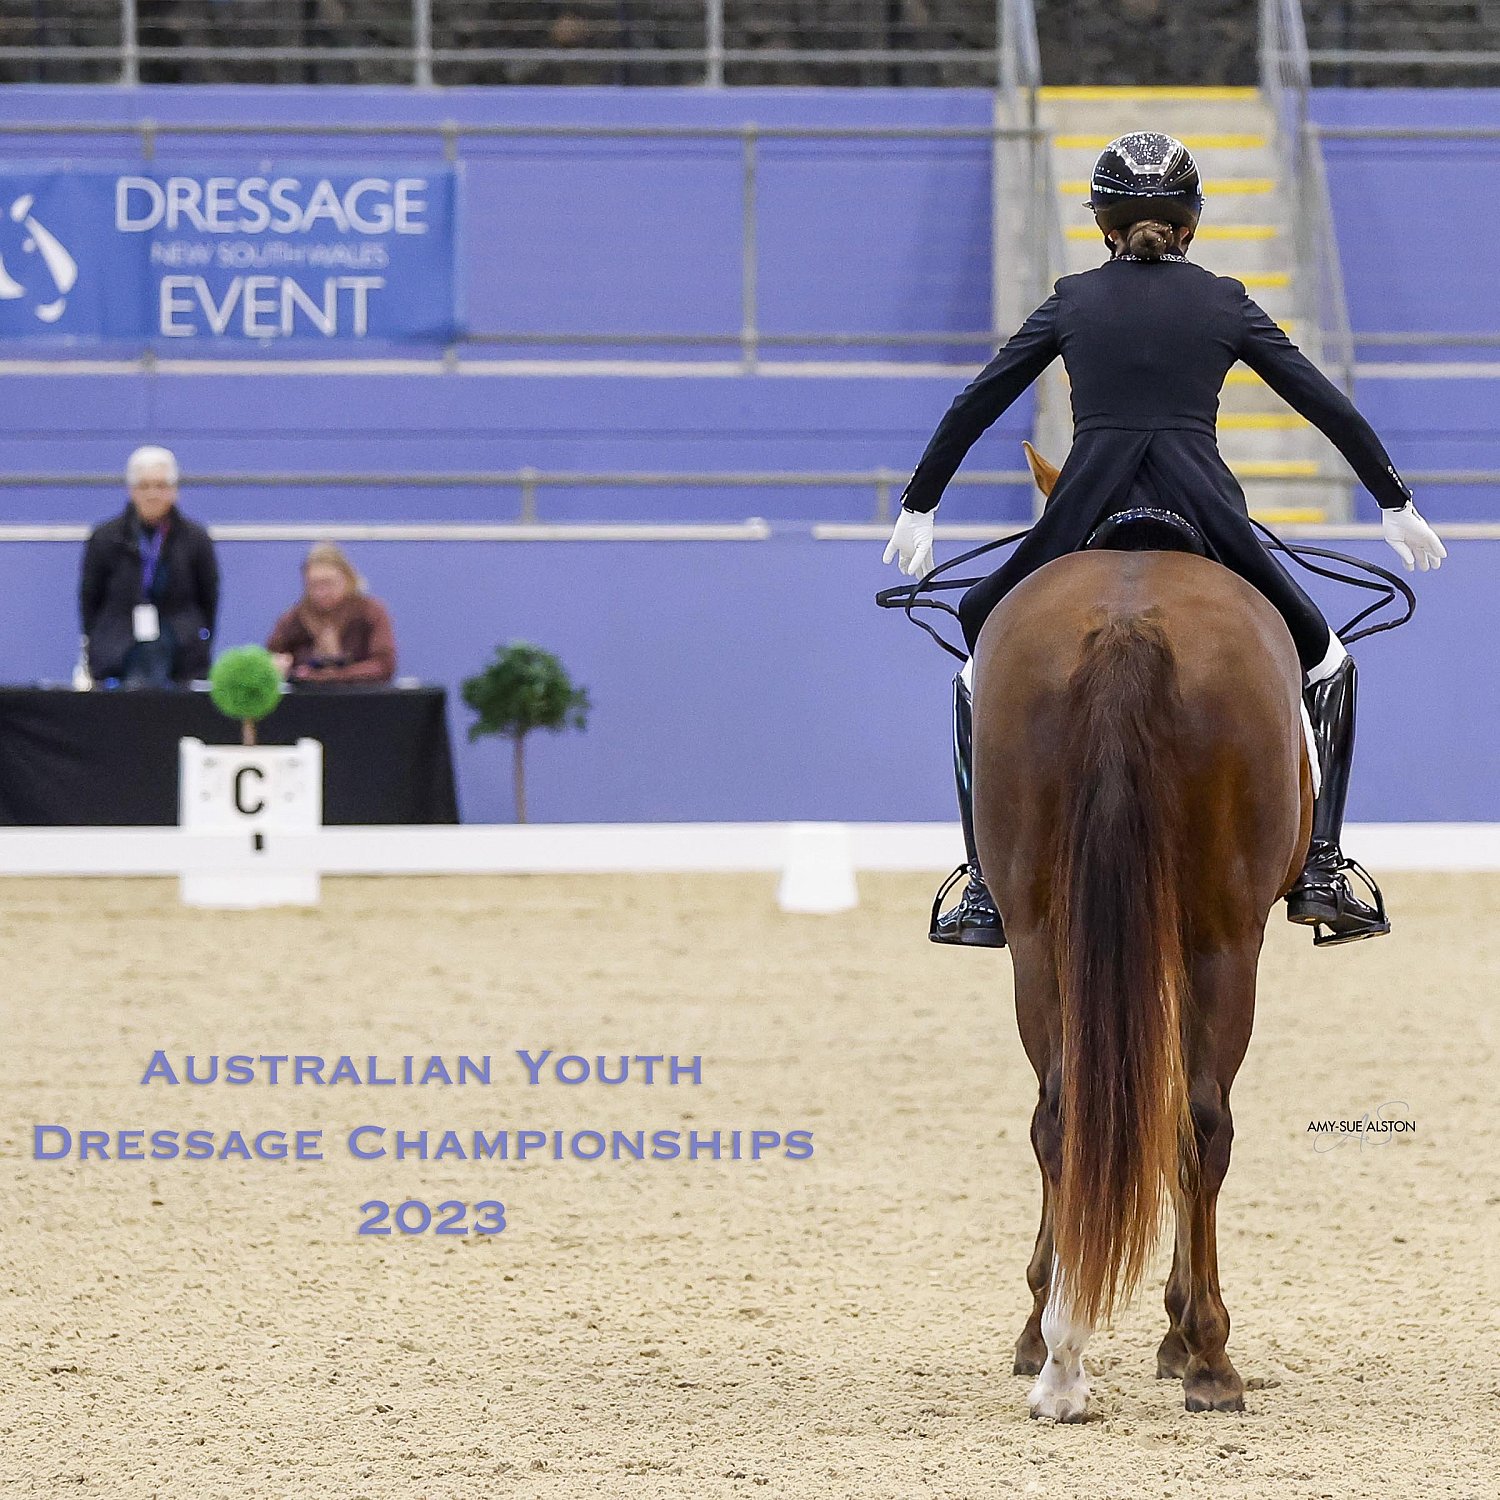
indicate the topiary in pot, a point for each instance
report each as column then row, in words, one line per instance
column 521, row 689
column 245, row 685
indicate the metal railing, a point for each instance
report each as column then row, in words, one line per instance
column 885, row 484
column 1353, row 43
column 1024, row 203
column 1029, row 238
column 1423, row 338
column 706, row 42
column 1320, row 305
column 950, row 533
column 1025, row 250
column 529, row 484
column 436, row 42
column 1403, row 57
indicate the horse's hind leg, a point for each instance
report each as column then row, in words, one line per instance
column 1061, row 1391
column 1052, row 1343
column 1222, row 986
column 1172, row 1355
column 1209, row 1381
column 1031, row 1347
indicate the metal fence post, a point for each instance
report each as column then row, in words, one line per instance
column 130, row 60
column 1001, row 232
column 883, row 482
column 421, row 34
column 713, row 37
column 749, row 263
column 528, row 495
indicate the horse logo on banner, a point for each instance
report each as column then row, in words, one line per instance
column 35, row 254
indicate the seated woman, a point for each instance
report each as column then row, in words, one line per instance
column 336, row 632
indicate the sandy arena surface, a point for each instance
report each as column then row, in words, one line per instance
column 840, row 1326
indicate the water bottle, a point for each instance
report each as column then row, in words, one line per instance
column 83, row 679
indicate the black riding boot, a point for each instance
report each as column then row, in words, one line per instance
column 1322, row 897
column 974, row 921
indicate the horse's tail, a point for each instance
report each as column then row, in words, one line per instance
column 1115, row 889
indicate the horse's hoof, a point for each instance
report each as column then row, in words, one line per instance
column 1059, row 1396
column 1026, row 1364
column 1062, row 1409
column 1171, row 1358
column 1207, row 1391
column 1031, row 1355
column 1216, row 1403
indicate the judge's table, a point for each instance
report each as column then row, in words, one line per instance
column 110, row 757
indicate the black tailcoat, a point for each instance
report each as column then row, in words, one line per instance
column 1147, row 346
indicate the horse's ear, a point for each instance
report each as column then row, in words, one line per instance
column 1044, row 473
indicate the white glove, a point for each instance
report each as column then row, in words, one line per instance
column 1412, row 539
column 911, row 541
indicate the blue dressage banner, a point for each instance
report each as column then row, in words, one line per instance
column 182, row 257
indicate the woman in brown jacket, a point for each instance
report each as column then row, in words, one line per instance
column 336, row 632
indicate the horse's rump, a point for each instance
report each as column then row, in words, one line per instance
column 1240, row 742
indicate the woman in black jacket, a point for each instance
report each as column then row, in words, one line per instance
column 1148, row 339
column 148, row 594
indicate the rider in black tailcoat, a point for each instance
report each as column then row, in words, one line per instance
column 1147, row 339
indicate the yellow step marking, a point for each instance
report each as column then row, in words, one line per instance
column 1229, row 186
column 1290, row 515
column 1260, row 421
column 1145, row 91
column 1276, row 468
column 1243, row 376
column 1192, row 142
column 1205, row 232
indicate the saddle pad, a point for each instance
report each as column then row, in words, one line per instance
column 1312, row 751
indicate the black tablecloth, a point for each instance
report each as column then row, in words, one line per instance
column 103, row 758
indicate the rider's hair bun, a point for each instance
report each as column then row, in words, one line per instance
column 1148, row 239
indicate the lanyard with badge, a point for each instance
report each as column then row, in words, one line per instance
column 144, row 618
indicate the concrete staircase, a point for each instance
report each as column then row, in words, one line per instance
column 1244, row 233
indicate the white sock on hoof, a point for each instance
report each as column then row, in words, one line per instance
column 1061, row 1391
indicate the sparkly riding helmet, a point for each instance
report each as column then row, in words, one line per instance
column 1145, row 175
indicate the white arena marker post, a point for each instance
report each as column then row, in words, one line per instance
column 249, row 814
column 817, row 874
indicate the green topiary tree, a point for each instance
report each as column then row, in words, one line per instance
column 245, row 685
column 523, row 688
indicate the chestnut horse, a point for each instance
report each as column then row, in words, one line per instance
column 1142, row 799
